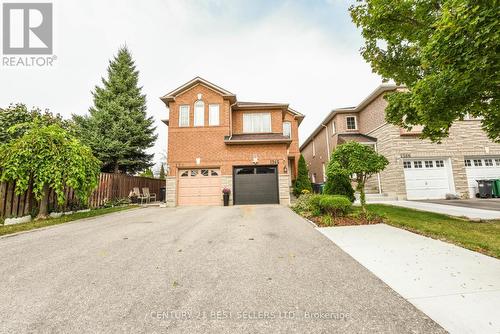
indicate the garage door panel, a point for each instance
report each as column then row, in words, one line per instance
column 481, row 168
column 198, row 189
column 256, row 188
column 427, row 178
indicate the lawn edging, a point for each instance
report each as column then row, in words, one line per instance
column 36, row 225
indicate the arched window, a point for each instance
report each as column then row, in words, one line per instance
column 199, row 113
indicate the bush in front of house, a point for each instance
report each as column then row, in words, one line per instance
column 307, row 204
column 336, row 206
column 302, row 182
column 338, row 184
column 313, row 205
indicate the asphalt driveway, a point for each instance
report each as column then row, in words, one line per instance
column 248, row 269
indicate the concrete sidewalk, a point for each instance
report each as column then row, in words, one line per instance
column 458, row 211
column 457, row 288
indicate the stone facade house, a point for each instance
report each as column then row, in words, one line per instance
column 216, row 141
column 418, row 168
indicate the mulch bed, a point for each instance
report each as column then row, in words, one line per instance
column 347, row 221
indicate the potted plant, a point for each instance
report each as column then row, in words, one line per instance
column 225, row 195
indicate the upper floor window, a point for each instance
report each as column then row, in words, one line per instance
column 351, row 123
column 184, row 115
column 258, row 122
column 199, row 113
column 314, row 148
column 332, row 128
column 213, row 114
column 287, row 129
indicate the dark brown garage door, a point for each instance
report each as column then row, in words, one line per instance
column 255, row 185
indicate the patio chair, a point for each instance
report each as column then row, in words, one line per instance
column 146, row 193
column 141, row 197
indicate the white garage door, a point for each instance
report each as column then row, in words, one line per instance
column 481, row 168
column 427, row 178
column 200, row 187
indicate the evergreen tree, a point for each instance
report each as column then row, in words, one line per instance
column 118, row 129
column 302, row 182
column 162, row 172
column 338, row 184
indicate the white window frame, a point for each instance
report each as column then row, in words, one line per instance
column 332, row 128
column 324, row 171
column 314, row 148
column 355, row 122
column 213, row 109
column 289, row 126
column 251, row 123
column 199, row 107
column 183, row 108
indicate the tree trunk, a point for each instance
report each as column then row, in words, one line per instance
column 44, row 203
column 117, row 169
column 362, row 197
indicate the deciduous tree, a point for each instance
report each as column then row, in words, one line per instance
column 444, row 51
column 358, row 162
column 50, row 158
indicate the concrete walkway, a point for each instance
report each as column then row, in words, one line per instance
column 457, row 288
column 450, row 210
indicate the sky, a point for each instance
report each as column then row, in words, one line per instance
column 305, row 53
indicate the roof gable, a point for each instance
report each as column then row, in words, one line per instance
column 170, row 96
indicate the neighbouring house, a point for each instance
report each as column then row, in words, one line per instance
column 216, row 141
column 418, row 168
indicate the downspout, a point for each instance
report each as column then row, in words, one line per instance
column 327, row 142
column 378, row 176
column 231, row 120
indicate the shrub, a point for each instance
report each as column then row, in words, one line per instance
column 338, row 184
column 335, row 205
column 302, row 182
column 308, row 203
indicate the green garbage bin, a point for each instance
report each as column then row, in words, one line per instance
column 496, row 188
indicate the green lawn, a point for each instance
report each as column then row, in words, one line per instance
column 9, row 229
column 482, row 236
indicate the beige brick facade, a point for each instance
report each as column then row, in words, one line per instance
column 205, row 146
column 466, row 139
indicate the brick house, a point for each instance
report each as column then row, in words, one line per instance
column 216, row 141
column 418, row 168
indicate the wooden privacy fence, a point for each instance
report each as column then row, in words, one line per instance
column 110, row 187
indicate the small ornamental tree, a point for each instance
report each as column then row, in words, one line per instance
column 338, row 184
column 49, row 158
column 358, row 162
column 302, row 182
